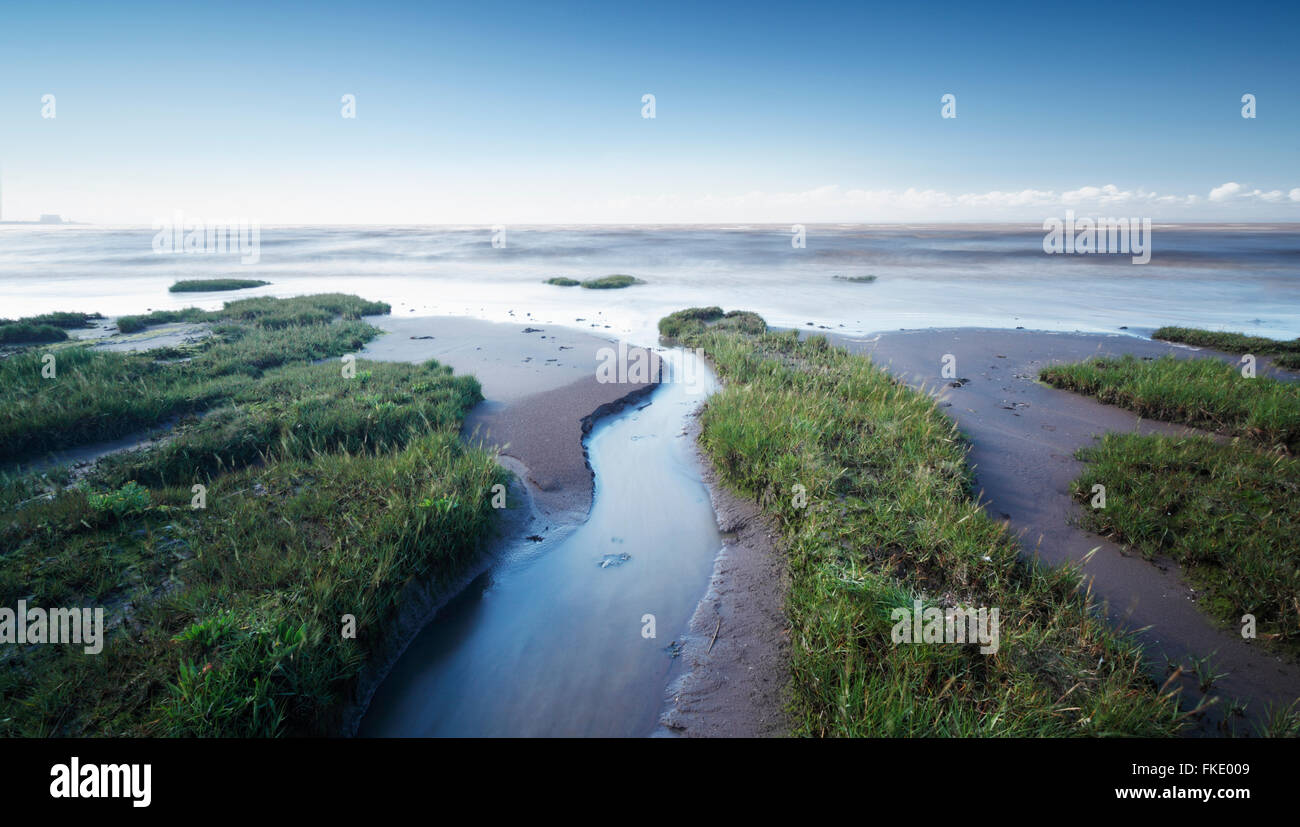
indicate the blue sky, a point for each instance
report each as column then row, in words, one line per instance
column 515, row 112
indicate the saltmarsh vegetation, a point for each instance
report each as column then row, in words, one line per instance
column 324, row 495
column 1205, row 393
column 1226, row 511
column 886, row 515
column 614, row 282
column 48, row 327
column 1285, row 353
column 214, row 285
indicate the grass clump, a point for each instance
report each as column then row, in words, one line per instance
column 131, row 498
column 1228, row 513
column 1205, row 393
column 61, row 319
column 695, row 320
column 614, row 282
column 886, row 516
column 324, row 496
column 214, row 285
column 1226, row 342
column 855, row 279
column 562, row 281
column 43, row 329
column 21, row 333
column 1284, row 353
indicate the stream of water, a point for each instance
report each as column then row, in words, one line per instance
column 552, row 639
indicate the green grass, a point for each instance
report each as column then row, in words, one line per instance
column 889, row 517
column 67, row 321
column 561, row 281
column 1205, row 393
column 100, row 395
column 1284, row 353
column 1228, row 513
column 325, row 496
column 1226, row 342
column 265, row 311
column 20, row 333
column 615, row 282
column 213, row 285
column 43, row 329
column 692, row 322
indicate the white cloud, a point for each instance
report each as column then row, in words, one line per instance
column 834, row 203
column 1223, row 193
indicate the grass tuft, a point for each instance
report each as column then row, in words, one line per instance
column 214, row 285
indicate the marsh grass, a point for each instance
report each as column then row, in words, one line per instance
column 43, row 329
column 100, row 395
column 1228, row 513
column 325, row 496
column 265, row 311
column 890, row 517
column 1206, row 393
column 614, row 282
column 1226, row 342
column 214, row 285
column 856, row 279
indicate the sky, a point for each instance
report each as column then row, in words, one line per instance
column 510, row 113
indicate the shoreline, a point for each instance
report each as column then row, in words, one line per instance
column 732, row 676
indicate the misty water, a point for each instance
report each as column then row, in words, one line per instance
column 1244, row 278
column 551, row 640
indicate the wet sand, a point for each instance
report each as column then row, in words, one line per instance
column 540, row 389
column 733, row 675
column 1024, row 436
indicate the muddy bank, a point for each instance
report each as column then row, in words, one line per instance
column 1024, row 435
column 540, row 388
column 732, row 677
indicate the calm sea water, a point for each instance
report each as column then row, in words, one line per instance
column 1244, row 277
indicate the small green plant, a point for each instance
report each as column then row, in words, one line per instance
column 131, row 498
column 561, row 281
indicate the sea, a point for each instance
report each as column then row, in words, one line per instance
column 1239, row 277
